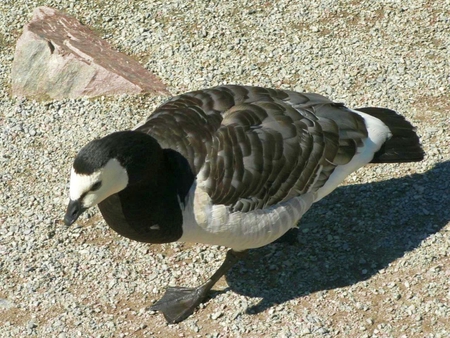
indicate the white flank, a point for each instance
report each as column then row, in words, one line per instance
column 206, row 223
column 378, row 134
column 113, row 178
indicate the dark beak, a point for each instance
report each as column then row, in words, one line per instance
column 74, row 210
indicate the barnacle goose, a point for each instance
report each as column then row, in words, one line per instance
column 232, row 165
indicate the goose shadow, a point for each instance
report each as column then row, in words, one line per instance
column 346, row 238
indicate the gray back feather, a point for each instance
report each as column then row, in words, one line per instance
column 257, row 147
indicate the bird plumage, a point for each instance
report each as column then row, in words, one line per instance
column 255, row 147
column 232, row 165
column 248, row 151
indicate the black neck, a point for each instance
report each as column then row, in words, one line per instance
column 152, row 210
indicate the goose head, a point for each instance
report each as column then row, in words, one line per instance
column 109, row 165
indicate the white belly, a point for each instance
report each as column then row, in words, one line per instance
column 214, row 224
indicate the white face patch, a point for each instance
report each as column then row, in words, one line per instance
column 94, row 188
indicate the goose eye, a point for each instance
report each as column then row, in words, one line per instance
column 96, row 186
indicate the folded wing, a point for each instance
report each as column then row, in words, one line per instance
column 253, row 147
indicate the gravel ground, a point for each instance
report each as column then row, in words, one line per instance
column 373, row 258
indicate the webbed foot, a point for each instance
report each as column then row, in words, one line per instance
column 178, row 303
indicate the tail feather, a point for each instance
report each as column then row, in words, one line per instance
column 404, row 145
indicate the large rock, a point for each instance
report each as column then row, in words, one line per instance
column 57, row 57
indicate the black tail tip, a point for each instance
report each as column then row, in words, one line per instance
column 404, row 145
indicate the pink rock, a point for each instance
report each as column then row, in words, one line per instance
column 57, row 57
